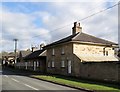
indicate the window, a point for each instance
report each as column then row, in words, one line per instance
column 48, row 63
column 106, row 53
column 37, row 63
column 34, row 65
column 53, row 64
column 69, row 66
column 53, row 51
column 62, row 51
column 26, row 65
column 62, row 63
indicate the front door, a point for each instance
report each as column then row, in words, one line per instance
column 34, row 65
column 26, row 65
column 69, row 67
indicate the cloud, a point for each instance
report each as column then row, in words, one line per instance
column 103, row 25
column 24, row 26
column 59, row 0
column 20, row 26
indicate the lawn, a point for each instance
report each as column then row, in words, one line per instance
column 78, row 83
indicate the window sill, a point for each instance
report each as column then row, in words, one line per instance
column 62, row 53
column 52, row 67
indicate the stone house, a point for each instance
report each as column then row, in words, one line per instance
column 36, row 61
column 23, row 54
column 9, row 58
column 82, row 55
column 4, row 56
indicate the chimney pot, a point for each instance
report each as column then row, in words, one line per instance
column 76, row 28
column 41, row 46
column 75, row 24
column 34, row 49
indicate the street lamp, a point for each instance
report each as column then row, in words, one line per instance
column 15, row 40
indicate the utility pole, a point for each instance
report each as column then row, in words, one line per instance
column 15, row 40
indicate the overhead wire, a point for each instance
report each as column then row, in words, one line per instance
column 82, row 19
column 101, row 11
column 76, row 21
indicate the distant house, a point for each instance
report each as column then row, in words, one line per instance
column 23, row 54
column 4, row 56
column 82, row 55
column 8, row 58
column 11, row 57
column 36, row 61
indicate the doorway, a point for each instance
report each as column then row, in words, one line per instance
column 69, row 67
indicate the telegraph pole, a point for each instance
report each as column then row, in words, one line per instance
column 15, row 40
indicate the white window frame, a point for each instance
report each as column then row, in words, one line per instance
column 63, row 50
column 62, row 63
column 53, row 63
column 37, row 63
column 34, row 63
column 53, row 51
column 69, row 66
column 26, row 65
column 103, row 51
column 106, row 53
column 48, row 63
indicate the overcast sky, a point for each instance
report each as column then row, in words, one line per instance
column 35, row 22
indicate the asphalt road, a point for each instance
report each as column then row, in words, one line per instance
column 12, row 81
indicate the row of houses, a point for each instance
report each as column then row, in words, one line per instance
column 80, row 55
column 8, row 58
column 35, row 61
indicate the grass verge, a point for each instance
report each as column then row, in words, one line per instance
column 78, row 83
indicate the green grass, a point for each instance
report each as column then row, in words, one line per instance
column 77, row 83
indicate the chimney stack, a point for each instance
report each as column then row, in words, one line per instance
column 76, row 28
column 34, row 49
column 41, row 46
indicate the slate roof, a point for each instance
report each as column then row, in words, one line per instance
column 25, row 53
column 69, row 38
column 82, row 37
column 89, row 38
column 36, row 54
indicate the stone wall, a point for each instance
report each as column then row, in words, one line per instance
column 91, row 49
column 58, row 57
column 39, row 65
column 107, row 71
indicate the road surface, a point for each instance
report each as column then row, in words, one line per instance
column 12, row 81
